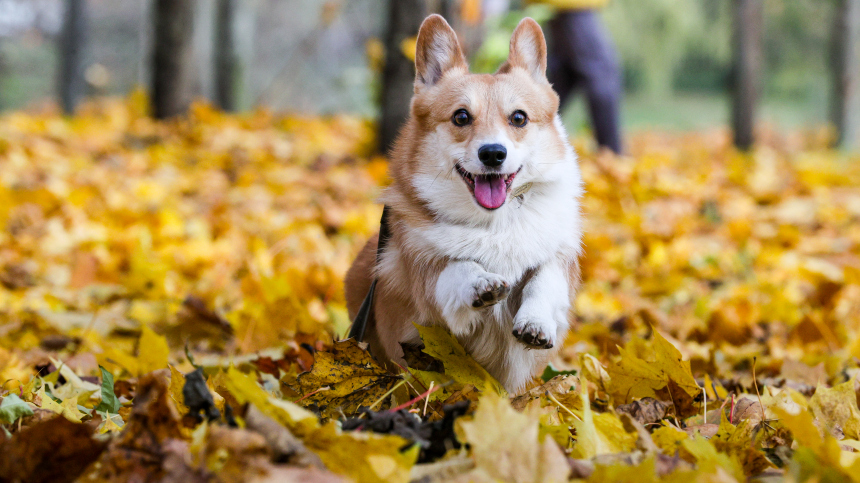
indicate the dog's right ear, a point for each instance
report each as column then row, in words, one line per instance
column 437, row 52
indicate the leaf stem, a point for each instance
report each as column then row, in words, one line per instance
column 422, row 396
column 559, row 404
column 394, row 388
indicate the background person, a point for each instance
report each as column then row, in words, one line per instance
column 582, row 56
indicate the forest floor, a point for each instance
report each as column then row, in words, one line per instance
column 172, row 300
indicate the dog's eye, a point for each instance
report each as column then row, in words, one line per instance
column 519, row 119
column 461, row 117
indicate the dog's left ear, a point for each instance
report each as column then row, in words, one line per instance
column 528, row 50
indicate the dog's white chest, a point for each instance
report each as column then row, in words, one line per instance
column 526, row 238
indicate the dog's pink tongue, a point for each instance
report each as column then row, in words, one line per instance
column 490, row 191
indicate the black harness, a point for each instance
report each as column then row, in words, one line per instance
column 359, row 325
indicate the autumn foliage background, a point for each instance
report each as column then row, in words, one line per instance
column 717, row 284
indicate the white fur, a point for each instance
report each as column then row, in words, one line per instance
column 457, row 287
column 537, row 233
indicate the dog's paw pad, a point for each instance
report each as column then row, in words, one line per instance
column 490, row 292
column 533, row 336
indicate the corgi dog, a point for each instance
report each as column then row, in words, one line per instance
column 483, row 213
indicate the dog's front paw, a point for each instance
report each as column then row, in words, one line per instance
column 534, row 333
column 489, row 289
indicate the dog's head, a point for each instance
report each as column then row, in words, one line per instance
column 477, row 138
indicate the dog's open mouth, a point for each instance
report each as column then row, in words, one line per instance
column 489, row 190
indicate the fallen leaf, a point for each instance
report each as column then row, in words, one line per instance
column 634, row 377
column 599, row 434
column 109, row 402
column 499, row 456
column 646, row 410
column 459, row 365
column 364, row 456
column 294, row 417
column 836, row 408
column 152, row 351
column 709, row 460
column 344, row 379
column 12, row 408
column 54, row 450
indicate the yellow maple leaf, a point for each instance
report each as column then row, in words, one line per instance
column 177, row 383
column 818, row 451
column 459, row 365
column 362, row 456
column 298, row 419
column 115, row 357
column 836, row 407
column 739, row 442
column 644, row 472
column 11, row 368
column 112, row 423
column 633, row 377
column 344, row 379
column 599, row 433
column 499, row 456
column 152, row 351
column 709, row 460
column 68, row 408
column 369, row 457
column 668, row 438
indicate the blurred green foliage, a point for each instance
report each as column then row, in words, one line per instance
column 671, row 46
column 494, row 49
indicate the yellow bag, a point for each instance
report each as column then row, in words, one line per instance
column 572, row 4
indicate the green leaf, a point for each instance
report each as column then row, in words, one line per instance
column 551, row 372
column 12, row 408
column 109, row 404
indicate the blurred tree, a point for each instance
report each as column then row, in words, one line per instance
column 72, row 42
column 747, row 60
column 173, row 69
column 404, row 19
column 226, row 63
column 845, row 110
column 659, row 37
column 144, row 43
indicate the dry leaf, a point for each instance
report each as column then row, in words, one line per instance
column 499, row 456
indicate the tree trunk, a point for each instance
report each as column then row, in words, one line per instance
column 173, row 68
column 145, row 44
column 226, row 65
column 845, row 111
column 72, row 43
column 404, row 19
column 747, row 57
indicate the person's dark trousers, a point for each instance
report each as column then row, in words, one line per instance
column 582, row 57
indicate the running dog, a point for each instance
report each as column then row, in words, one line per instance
column 483, row 214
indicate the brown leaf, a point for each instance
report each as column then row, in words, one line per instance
column 747, row 406
column 283, row 446
column 706, row 430
column 54, row 449
column 559, row 385
column 799, row 372
column 683, row 404
column 646, row 410
column 344, row 379
column 153, row 426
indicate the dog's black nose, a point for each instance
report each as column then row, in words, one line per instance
column 492, row 154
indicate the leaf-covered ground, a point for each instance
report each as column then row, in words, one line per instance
column 172, row 296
